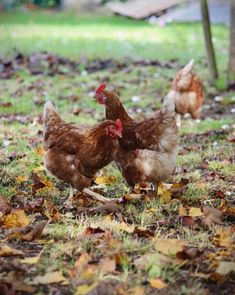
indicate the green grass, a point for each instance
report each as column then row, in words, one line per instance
column 101, row 36
column 20, row 136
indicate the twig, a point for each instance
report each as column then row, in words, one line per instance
column 97, row 196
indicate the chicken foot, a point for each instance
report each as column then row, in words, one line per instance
column 97, row 196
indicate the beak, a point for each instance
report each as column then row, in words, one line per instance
column 119, row 133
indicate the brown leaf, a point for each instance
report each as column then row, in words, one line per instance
column 5, row 208
column 212, row 215
column 143, row 232
column 107, row 265
column 187, row 221
column 82, row 261
column 5, row 104
column 194, row 255
column 27, row 233
column 91, row 231
column 107, row 208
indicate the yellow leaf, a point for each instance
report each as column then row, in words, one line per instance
column 85, row 289
column 192, row 211
column 169, row 247
column 136, row 291
column 8, row 251
column 123, row 226
column 21, row 178
column 40, row 151
column 164, row 194
column 16, row 218
column 39, row 169
column 157, row 284
column 30, row 260
column 105, row 179
column 224, row 237
column 50, row 278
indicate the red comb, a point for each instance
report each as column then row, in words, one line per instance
column 119, row 124
column 101, row 88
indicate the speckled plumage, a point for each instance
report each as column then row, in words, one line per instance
column 148, row 149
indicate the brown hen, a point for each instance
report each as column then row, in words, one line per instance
column 148, row 149
column 75, row 155
column 187, row 92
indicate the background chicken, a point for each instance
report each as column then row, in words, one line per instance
column 187, row 92
column 148, row 149
column 74, row 155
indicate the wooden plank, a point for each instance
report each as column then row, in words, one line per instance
column 139, row 9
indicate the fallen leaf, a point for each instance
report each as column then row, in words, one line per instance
column 82, row 261
column 193, row 254
column 16, row 218
column 141, row 232
column 27, row 233
column 136, row 291
column 212, row 216
column 21, row 178
column 169, row 246
column 187, row 221
column 30, row 260
column 225, row 267
column 50, row 278
column 85, row 289
column 224, row 237
column 5, row 208
column 105, row 180
column 192, row 211
column 5, row 104
column 8, row 251
column 148, row 259
column 164, row 194
column 107, row 208
column 40, row 151
column 157, row 284
column 107, row 265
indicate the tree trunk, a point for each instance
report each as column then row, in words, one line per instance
column 231, row 68
column 208, row 39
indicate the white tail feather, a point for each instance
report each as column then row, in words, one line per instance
column 169, row 103
column 189, row 66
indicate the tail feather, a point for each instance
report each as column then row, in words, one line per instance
column 169, row 103
column 49, row 110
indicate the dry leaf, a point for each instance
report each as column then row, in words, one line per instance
column 164, row 194
column 8, row 251
column 224, row 237
column 82, row 261
column 50, row 278
column 170, row 246
column 21, row 178
column 157, row 284
column 148, row 259
column 192, row 211
column 30, row 260
column 105, row 179
column 107, row 265
column 85, row 289
column 5, row 208
column 212, row 215
column 141, row 232
column 27, row 233
column 136, row 291
column 16, row 218
column 107, row 208
column 225, row 267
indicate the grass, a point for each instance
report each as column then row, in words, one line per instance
column 204, row 142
